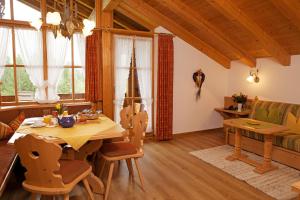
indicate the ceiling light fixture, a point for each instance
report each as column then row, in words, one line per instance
column 253, row 76
column 66, row 23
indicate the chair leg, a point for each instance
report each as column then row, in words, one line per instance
column 88, row 189
column 129, row 166
column 33, row 196
column 111, row 170
column 66, row 197
column 102, row 168
column 139, row 172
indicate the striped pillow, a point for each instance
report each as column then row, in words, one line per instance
column 14, row 124
column 5, row 131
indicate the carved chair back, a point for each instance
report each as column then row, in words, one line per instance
column 40, row 158
column 139, row 122
column 126, row 117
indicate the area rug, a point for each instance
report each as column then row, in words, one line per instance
column 276, row 184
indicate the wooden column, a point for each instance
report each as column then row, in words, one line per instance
column 97, row 30
column 44, row 36
column 107, row 64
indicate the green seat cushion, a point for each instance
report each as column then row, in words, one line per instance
column 273, row 115
column 285, row 140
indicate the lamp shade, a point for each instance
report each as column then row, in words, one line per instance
column 250, row 79
column 88, row 27
column 53, row 18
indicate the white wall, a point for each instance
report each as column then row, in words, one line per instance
column 277, row 82
column 189, row 114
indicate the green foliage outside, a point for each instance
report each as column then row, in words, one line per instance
column 65, row 82
column 23, row 81
column 25, row 85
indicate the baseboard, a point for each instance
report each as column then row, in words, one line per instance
column 201, row 131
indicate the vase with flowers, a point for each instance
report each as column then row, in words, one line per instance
column 240, row 99
column 59, row 108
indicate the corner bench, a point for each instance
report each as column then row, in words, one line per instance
column 8, row 158
column 8, row 155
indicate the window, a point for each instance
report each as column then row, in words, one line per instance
column 16, row 83
column 133, row 75
column 23, row 74
column 69, row 56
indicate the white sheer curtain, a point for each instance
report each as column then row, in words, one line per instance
column 30, row 45
column 5, row 34
column 56, row 56
column 123, row 54
column 79, row 49
column 143, row 56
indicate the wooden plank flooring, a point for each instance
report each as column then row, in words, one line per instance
column 171, row 173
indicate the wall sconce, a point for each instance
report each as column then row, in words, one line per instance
column 253, row 76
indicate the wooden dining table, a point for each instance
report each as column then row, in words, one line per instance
column 91, row 146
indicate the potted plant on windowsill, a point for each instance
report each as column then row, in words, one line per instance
column 240, row 99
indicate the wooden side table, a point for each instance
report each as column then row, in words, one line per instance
column 230, row 114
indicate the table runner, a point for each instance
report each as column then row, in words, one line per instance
column 75, row 136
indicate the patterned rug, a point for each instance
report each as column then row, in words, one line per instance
column 276, row 184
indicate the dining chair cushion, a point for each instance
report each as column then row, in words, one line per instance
column 118, row 149
column 71, row 169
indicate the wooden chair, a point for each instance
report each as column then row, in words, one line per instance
column 46, row 174
column 126, row 122
column 112, row 152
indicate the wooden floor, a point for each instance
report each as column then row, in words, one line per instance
column 171, row 173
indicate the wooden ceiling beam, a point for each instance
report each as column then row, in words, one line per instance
column 110, row 5
column 232, row 12
column 129, row 9
column 135, row 18
column 85, row 4
column 151, row 13
column 195, row 18
column 78, row 11
column 122, row 24
column 289, row 10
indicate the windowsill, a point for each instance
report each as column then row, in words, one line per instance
column 37, row 105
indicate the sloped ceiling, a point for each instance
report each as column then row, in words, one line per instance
column 228, row 30
column 225, row 30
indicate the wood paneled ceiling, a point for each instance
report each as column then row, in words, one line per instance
column 122, row 18
column 226, row 30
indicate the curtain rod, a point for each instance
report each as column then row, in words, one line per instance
column 132, row 32
column 165, row 34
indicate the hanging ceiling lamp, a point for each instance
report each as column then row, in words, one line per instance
column 64, row 24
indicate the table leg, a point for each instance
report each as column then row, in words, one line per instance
column 226, row 131
column 86, row 150
column 96, row 184
column 237, row 147
column 266, row 166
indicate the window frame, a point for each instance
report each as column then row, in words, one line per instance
column 13, row 24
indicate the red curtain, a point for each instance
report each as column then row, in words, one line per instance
column 164, row 117
column 93, row 64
